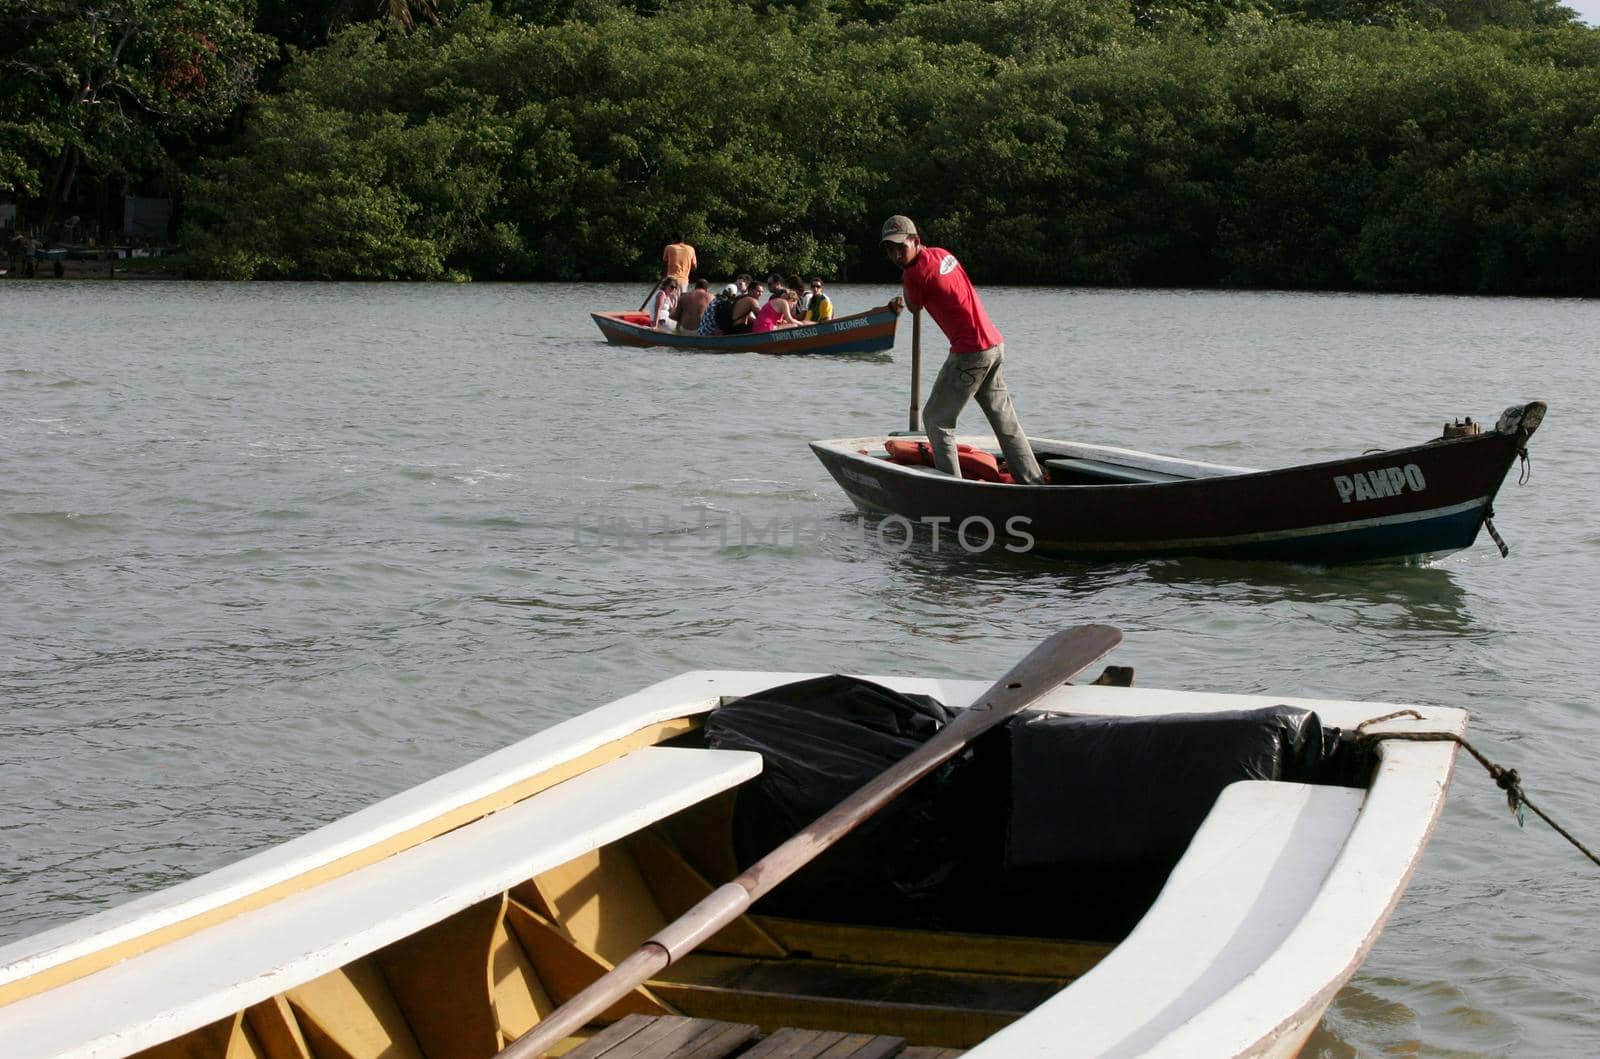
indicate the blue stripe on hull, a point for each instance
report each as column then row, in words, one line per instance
column 1420, row 538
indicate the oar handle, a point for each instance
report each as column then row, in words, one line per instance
column 1049, row 665
column 916, row 367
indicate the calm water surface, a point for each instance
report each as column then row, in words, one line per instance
column 271, row 552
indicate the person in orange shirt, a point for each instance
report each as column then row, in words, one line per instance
column 678, row 261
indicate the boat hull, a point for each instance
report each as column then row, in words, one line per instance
column 866, row 332
column 1408, row 503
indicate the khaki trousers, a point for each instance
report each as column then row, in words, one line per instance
column 968, row 375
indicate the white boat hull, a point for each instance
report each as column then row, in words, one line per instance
column 1280, row 896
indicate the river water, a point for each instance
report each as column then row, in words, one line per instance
column 271, row 552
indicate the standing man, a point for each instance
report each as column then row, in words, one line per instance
column 935, row 280
column 677, row 261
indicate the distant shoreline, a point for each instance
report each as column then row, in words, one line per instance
column 172, row 269
column 107, row 268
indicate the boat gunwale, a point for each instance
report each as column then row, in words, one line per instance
column 1208, row 473
column 1403, row 767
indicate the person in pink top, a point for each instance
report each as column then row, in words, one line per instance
column 777, row 313
column 935, row 280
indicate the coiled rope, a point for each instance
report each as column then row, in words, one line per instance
column 1506, row 779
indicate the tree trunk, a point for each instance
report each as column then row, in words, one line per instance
column 60, row 186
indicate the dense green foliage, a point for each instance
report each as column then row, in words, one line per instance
column 1406, row 145
column 109, row 87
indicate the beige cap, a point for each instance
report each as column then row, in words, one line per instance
column 897, row 229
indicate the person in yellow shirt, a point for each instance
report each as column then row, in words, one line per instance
column 819, row 308
column 678, row 260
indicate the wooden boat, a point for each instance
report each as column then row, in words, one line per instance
column 452, row 918
column 865, row 332
column 1418, row 502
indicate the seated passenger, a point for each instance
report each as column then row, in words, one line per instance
column 692, row 308
column 820, row 307
column 661, row 304
column 777, row 314
column 718, row 315
column 744, row 310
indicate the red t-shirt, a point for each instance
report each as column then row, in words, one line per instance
column 935, row 281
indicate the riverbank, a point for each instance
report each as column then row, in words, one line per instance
column 107, row 268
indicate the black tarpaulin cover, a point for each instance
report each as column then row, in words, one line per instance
column 1051, row 825
column 820, row 740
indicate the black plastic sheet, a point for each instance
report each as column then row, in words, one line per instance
column 820, row 741
column 1049, row 826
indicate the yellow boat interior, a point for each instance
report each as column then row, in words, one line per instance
column 473, row 982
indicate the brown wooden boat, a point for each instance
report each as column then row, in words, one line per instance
column 1414, row 503
column 871, row 331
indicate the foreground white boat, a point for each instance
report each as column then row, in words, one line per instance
column 445, row 922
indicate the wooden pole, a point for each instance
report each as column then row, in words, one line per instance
column 1046, row 667
column 652, row 294
column 916, row 368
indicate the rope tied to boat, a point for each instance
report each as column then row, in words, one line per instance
column 1524, row 476
column 1508, row 780
column 1494, row 534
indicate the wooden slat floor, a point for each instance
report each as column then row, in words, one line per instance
column 676, row 1037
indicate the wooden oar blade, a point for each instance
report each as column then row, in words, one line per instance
column 1057, row 659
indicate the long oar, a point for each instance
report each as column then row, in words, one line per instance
column 1047, row 666
column 916, row 366
column 652, row 294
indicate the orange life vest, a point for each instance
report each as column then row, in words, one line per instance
column 976, row 464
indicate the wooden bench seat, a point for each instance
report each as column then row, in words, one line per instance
column 954, row 1008
column 643, row 1036
column 1114, row 472
column 227, row 967
column 676, row 1037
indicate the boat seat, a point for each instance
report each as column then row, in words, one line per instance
column 1244, row 884
column 1112, row 471
column 642, row 1036
column 677, row 1037
column 223, row 968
